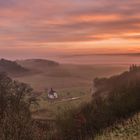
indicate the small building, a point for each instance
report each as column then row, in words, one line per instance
column 52, row 94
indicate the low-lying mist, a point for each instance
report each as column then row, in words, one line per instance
column 99, row 59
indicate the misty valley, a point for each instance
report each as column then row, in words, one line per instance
column 69, row 69
column 78, row 88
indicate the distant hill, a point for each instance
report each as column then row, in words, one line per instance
column 11, row 67
column 102, row 54
column 37, row 63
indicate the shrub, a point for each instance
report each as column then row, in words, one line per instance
column 116, row 98
column 15, row 117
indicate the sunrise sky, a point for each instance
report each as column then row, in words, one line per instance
column 41, row 28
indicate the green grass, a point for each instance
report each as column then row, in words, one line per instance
column 49, row 109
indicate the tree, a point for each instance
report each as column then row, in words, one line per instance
column 15, row 116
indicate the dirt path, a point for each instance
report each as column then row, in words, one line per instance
column 67, row 100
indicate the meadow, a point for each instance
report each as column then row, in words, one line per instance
column 69, row 80
column 67, row 76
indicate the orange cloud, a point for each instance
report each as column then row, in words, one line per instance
column 99, row 18
column 70, row 26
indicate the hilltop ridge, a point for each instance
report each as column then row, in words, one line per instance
column 29, row 63
column 11, row 67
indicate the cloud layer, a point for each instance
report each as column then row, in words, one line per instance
column 38, row 22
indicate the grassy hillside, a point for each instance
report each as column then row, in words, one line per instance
column 128, row 130
column 37, row 63
column 12, row 68
column 115, row 100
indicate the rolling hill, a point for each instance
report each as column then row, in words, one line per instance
column 12, row 68
column 47, row 74
column 37, row 63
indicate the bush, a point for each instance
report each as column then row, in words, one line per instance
column 15, row 117
column 115, row 99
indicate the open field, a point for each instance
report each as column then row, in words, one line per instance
column 68, row 80
column 74, row 85
column 67, row 76
column 49, row 109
